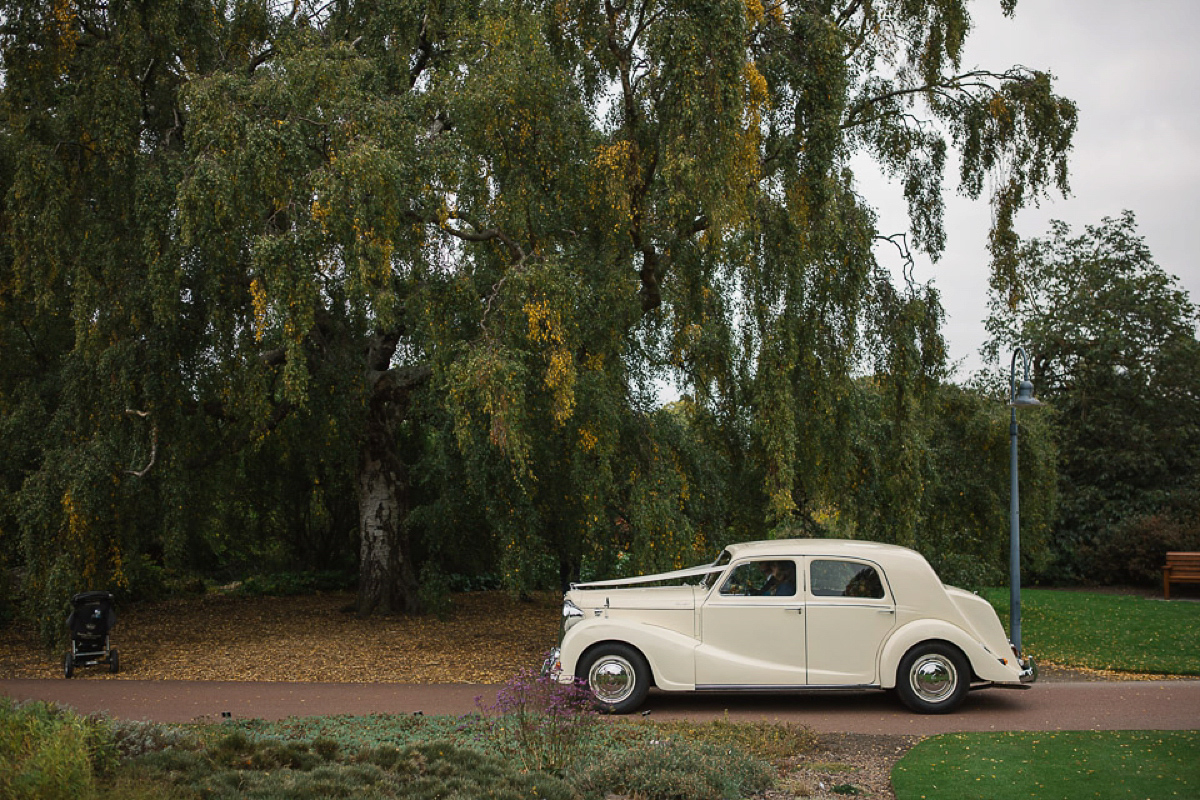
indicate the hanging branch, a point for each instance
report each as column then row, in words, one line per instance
column 140, row 473
column 900, row 242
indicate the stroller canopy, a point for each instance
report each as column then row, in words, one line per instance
column 93, row 614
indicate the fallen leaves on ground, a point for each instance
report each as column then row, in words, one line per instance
column 485, row 639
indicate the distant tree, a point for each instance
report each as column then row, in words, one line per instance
column 965, row 508
column 1113, row 342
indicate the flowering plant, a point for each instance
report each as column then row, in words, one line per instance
column 545, row 721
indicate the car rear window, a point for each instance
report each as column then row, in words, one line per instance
column 845, row 579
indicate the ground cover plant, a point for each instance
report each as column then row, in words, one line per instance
column 1124, row 633
column 1096, row 765
column 523, row 747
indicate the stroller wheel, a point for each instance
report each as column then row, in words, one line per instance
column 113, row 664
column 69, row 665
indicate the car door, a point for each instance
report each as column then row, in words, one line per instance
column 850, row 611
column 752, row 628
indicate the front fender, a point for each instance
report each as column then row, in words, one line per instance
column 986, row 665
column 671, row 655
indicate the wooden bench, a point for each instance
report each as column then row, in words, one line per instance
column 1180, row 568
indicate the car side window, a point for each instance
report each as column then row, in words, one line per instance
column 764, row 578
column 845, row 579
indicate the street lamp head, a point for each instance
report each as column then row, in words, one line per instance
column 1025, row 396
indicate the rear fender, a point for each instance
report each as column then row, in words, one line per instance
column 985, row 664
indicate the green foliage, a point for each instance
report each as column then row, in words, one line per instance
column 1116, row 765
column 965, row 519
column 771, row 741
column 238, row 766
column 46, row 751
column 673, row 759
column 284, row 584
column 8, row 604
column 673, row 770
column 1108, row 632
column 133, row 738
column 939, row 482
column 302, row 287
column 1113, row 344
column 1135, row 549
column 435, row 590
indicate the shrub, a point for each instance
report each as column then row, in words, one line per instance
column 46, row 751
column 239, row 766
column 433, row 593
column 770, row 741
column 133, row 738
column 443, row 770
column 8, row 604
column 1134, row 550
column 289, row 584
column 675, row 770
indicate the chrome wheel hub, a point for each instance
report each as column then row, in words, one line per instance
column 611, row 679
column 933, row 678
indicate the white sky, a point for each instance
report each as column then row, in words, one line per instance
column 1133, row 69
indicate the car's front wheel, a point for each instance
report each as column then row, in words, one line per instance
column 617, row 675
column 933, row 678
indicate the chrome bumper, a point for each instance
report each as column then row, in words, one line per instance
column 1029, row 670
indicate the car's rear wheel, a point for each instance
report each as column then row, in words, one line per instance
column 933, row 678
column 68, row 665
column 618, row 677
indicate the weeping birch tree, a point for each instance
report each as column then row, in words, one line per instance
column 490, row 228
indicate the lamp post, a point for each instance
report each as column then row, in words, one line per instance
column 1019, row 395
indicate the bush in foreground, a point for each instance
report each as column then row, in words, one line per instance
column 675, row 770
column 47, row 752
column 241, row 767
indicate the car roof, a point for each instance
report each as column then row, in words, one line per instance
column 819, row 547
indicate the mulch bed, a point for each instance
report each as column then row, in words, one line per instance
column 486, row 638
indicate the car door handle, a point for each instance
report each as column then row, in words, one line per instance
column 797, row 610
column 887, row 611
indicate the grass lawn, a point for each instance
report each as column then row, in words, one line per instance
column 1122, row 633
column 1106, row 631
column 1063, row 765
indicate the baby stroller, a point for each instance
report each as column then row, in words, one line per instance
column 90, row 621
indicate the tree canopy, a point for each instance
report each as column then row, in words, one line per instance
column 407, row 273
column 1113, row 343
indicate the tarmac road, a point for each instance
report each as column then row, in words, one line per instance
column 1116, row 705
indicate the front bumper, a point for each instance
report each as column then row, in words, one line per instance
column 553, row 663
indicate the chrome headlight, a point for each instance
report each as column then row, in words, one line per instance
column 571, row 614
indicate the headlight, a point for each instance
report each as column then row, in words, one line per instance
column 571, row 614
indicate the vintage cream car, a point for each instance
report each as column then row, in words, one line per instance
column 787, row 615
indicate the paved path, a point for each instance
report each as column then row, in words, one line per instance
column 1140, row 705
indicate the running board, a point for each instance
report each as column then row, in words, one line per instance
column 802, row 687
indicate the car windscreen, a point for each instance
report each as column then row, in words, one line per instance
column 710, row 579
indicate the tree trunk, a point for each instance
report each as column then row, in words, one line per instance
column 387, row 580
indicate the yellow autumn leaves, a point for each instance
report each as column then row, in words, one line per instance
column 546, row 329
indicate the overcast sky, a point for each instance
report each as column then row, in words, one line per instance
column 1133, row 69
